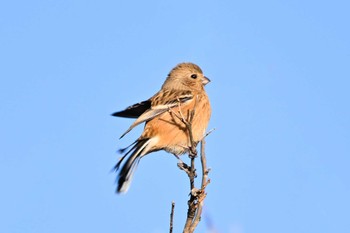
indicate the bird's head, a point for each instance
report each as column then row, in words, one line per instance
column 186, row 76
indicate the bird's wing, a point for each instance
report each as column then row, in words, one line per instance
column 134, row 111
column 160, row 103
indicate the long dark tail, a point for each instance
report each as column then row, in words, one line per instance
column 127, row 171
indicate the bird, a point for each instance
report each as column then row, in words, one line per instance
column 181, row 100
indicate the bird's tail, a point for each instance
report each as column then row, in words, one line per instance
column 127, row 171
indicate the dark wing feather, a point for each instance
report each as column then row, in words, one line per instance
column 160, row 103
column 134, row 111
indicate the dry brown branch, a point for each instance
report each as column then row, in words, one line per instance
column 205, row 182
column 197, row 196
column 172, row 217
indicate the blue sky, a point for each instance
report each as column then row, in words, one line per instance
column 280, row 76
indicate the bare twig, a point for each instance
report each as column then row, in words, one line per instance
column 209, row 132
column 197, row 196
column 188, row 123
column 204, row 184
column 191, row 212
column 172, row 217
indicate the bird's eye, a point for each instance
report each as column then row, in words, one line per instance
column 194, row 76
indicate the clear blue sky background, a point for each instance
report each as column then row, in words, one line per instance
column 280, row 96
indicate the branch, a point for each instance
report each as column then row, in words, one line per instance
column 191, row 172
column 205, row 182
column 197, row 196
column 172, row 217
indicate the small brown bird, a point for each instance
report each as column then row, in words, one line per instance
column 182, row 92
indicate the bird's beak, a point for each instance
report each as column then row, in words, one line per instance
column 205, row 80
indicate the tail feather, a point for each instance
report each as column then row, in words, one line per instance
column 127, row 171
column 133, row 145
